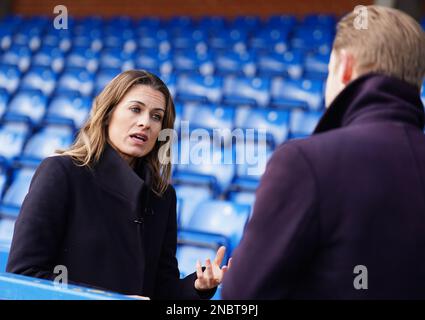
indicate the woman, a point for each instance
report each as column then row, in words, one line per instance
column 105, row 209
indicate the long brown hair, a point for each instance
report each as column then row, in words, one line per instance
column 93, row 136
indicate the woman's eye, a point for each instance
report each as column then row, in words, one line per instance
column 157, row 117
column 135, row 109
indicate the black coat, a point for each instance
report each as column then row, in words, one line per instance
column 353, row 194
column 84, row 219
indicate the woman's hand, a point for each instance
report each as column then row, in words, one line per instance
column 212, row 276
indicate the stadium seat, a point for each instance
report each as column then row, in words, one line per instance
column 193, row 62
column 302, row 93
column 232, row 39
column 234, row 63
column 189, row 39
column 82, row 57
column 19, row 56
column 302, row 123
column 219, row 218
column 49, row 56
column 71, row 109
column 264, row 39
column 274, row 122
column 60, row 39
column 10, row 77
column 16, row 192
column 13, row 136
column 103, row 77
column 190, row 196
column 30, row 105
column 154, row 39
column 44, row 143
column 288, row 63
column 246, row 91
column 76, row 79
column 209, row 116
column 40, row 78
column 116, row 58
column 154, row 61
column 199, row 88
column 242, row 197
column 4, row 99
column 205, row 163
column 316, row 66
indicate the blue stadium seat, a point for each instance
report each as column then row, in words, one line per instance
column 184, row 39
column 154, row 61
column 282, row 22
column 312, row 37
column 179, row 114
column 189, row 197
column 246, row 91
column 200, row 89
column 220, row 217
column 289, row 63
column 212, row 23
column 122, row 38
column 13, row 136
column 90, row 39
column 103, row 77
column 30, row 105
column 154, row 39
column 242, row 197
column 252, row 158
column 116, row 58
column 19, row 56
column 82, row 57
column 4, row 99
column 274, row 122
column 10, row 77
column 60, row 39
column 324, row 20
column 316, row 66
column 6, row 234
column 246, row 23
column 264, row 39
column 302, row 123
column 39, row 78
column 179, row 22
column 4, row 254
column 16, row 192
column 209, row 116
column 49, row 56
column 203, row 163
column 228, row 39
column 302, row 93
column 170, row 80
column 76, row 79
column 45, row 142
column 70, row 109
column 234, row 63
column 193, row 62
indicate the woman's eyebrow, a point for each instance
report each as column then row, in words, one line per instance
column 143, row 104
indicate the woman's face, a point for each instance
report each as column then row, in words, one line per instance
column 136, row 122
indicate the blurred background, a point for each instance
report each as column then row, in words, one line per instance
column 228, row 63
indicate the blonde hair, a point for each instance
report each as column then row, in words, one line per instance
column 89, row 145
column 393, row 43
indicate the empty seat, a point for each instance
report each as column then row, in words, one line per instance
column 116, row 58
column 303, row 93
column 154, row 61
column 273, row 122
column 4, row 99
column 303, row 123
column 10, row 77
column 288, row 63
column 29, row 105
column 19, row 56
column 209, row 116
column 205, row 163
column 189, row 197
column 15, row 194
column 246, row 91
column 49, row 56
column 69, row 109
column 103, row 77
column 82, row 57
column 193, row 62
column 76, row 79
column 235, row 63
column 13, row 136
column 316, row 65
column 45, row 142
column 220, row 217
column 199, row 88
column 40, row 78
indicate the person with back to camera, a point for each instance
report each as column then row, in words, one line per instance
column 105, row 209
column 341, row 214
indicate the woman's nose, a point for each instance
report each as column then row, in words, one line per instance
column 144, row 121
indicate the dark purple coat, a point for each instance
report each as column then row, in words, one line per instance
column 351, row 194
column 85, row 220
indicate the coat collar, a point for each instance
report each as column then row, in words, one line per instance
column 373, row 98
column 117, row 177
